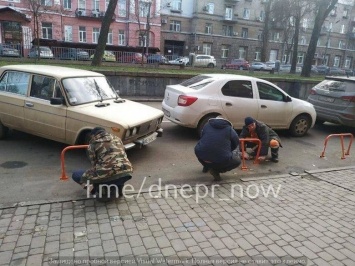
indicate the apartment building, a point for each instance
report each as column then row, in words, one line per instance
column 234, row 28
column 79, row 21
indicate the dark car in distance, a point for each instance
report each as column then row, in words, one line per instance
column 130, row 57
column 157, row 58
column 240, row 64
column 74, row 54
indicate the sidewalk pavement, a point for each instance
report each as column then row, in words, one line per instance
column 310, row 222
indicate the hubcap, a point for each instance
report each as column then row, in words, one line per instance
column 301, row 126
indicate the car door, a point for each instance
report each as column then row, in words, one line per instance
column 237, row 100
column 273, row 109
column 13, row 91
column 42, row 118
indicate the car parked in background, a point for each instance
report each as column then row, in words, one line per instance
column 259, row 66
column 65, row 104
column 334, row 100
column 322, row 69
column 9, row 50
column 108, row 56
column 130, row 57
column 240, row 64
column 271, row 64
column 73, row 54
column 44, row 52
column 180, row 61
column 286, row 68
column 193, row 102
column 205, row 61
column 336, row 71
column 157, row 59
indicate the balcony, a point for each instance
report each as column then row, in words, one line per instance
column 229, row 19
column 91, row 14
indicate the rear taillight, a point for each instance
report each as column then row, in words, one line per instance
column 348, row 98
column 185, row 100
column 312, row 92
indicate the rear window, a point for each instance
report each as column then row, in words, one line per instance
column 336, row 85
column 197, row 82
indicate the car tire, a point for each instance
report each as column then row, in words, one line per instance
column 300, row 125
column 210, row 65
column 203, row 122
column 3, row 131
column 241, row 68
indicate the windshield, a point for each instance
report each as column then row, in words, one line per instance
column 88, row 89
column 197, row 82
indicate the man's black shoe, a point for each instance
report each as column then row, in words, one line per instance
column 275, row 159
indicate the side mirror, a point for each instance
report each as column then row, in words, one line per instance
column 288, row 99
column 57, row 101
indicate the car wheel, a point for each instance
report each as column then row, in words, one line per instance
column 3, row 131
column 203, row 122
column 223, row 67
column 300, row 126
column 241, row 68
column 210, row 65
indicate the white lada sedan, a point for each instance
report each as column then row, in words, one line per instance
column 64, row 104
column 193, row 102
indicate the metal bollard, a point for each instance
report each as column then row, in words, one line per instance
column 64, row 175
column 256, row 160
column 342, row 135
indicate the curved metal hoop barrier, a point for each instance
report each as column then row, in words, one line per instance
column 242, row 142
column 64, row 175
column 342, row 135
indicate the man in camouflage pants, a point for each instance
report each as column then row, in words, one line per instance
column 110, row 167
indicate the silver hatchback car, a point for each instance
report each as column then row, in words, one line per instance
column 334, row 100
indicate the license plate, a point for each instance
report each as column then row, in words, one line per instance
column 149, row 139
column 166, row 112
column 326, row 99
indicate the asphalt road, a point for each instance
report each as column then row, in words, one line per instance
column 30, row 168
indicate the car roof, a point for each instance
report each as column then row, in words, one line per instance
column 232, row 76
column 55, row 71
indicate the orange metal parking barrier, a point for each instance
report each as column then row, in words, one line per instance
column 342, row 135
column 64, row 175
column 258, row 142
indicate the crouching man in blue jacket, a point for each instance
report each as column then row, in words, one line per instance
column 218, row 147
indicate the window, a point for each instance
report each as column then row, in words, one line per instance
column 257, row 56
column 46, row 3
column 121, row 37
column 175, row 25
column 82, row 34
column 342, row 29
column 345, row 13
column 15, row 82
column 47, row 30
column 96, row 5
column 42, row 87
column 244, row 32
column 229, row 13
column 336, row 61
column 225, row 51
column 106, row 4
column 238, row 88
column 242, row 52
column 176, row 4
column 305, row 24
column 303, row 40
column 300, row 57
column 227, row 30
column 206, row 48
column 82, row 5
column 276, row 36
column 268, row 92
column 143, row 9
column 210, row 8
column 262, row 15
column 95, row 35
column 347, row 62
column 68, row 33
column 109, row 37
column 273, row 55
column 246, row 13
column 341, row 44
column 122, row 8
column 208, row 28
column 67, row 4
column 143, row 40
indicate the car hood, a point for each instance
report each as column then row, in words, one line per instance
column 127, row 113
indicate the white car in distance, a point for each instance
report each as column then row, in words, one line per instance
column 193, row 102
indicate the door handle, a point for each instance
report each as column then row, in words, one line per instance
column 29, row 104
column 263, row 106
column 229, row 104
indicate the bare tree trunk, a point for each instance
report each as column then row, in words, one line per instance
column 295, row 41
column 266, row 32
column 323, row 9
column 105, row 27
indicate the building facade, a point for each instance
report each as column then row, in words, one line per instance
column 79, row 21
column 230, row 29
